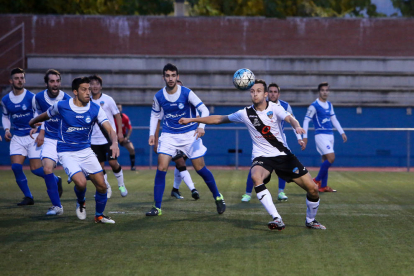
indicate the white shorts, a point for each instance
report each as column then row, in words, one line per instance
column 79, row 161
column 324, row 143
column 49, row 149
column 25, row 145
column 170, row 144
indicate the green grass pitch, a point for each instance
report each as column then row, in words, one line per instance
column 370, row 223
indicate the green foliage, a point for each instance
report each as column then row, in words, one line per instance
column 110, row 7
column 406, row 6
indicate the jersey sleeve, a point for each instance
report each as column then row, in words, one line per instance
column 195, row 100
column 311, row 112
column 4, row 109
column 236, row 117
column 127, row 122
column 280, row 112
column 155, row 105
column 53, row 110
column 332, row 111
column 113, row 107
column 101, row 116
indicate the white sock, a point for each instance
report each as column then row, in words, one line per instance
column 185, row 175
column 281, row 191
column 266, row 199
column 120, row 177
column 177, row 179
column 312, row 209
column 106, row 179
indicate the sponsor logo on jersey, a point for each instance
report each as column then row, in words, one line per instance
column 79, row 116
column 325, row 120
column 102, row 103
column 252, row 116
column 266, row 130
column 328, row 147
column 180, row 105
column 256, row 122
column 270, row 114
column 15, row 116
column 173, row 104
column 24, row 107
column 17, row 106
column 296, row 170
column 88, row 119
column 53, row 120
column 71, row 129
column 174, row 116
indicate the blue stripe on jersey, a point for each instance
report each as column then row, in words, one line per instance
column 156, row 111
column 174, row 111
column 199, row 104
column 51, row 125
column 20, row 113
column 322, row 119
column 75, row 128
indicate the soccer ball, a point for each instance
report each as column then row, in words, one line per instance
column 243, row 79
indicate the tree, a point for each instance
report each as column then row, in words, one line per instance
column 406, row 6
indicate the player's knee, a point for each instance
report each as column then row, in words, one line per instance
column 101, row 188
column 47, row 169
column 162, row 168
column 313, row 191
column 257, row 179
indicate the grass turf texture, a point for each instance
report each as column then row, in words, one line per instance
column 369, row 230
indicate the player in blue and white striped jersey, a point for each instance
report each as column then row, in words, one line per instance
column 323, row 117
column 179, row 102
column 273, row 96
column 77, row 118
column 48, row 135
column 18, row 109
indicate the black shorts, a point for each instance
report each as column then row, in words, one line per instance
column 179, row 155
column 103, row 152
column 287, row 167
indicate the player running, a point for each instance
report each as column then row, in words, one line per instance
column 270, row 152
column 100, row 143
column 180, row 172
column 18, row 109
column 273, row 94
column 323, row 117
column 78, row 115
column 48, row 135
column 176, row 102
column 126, row 132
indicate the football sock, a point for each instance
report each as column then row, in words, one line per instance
column 323, row 170
column 282, row 184
column 52, row 189
column 132, row 158
column 39, row 172
column 177, row 179
column 209, row 179
column 119, row 176
column 265, row 198
column 159, row 187
column 100, row 203
column 21, row 179
column 324, row 181
column 185, row 175
column 312, row 209
column 80, row 194
column 249, row 183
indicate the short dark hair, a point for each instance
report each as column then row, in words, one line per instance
column 96, row 77
column 78, row 81
column 16, row 70
column 273, row 84
column 322, row 85
column 262, row 82
column 170, row 67
column 51, row 72
column 182, row 84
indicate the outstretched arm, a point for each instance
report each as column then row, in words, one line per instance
column 38, row 119
column 209, row 120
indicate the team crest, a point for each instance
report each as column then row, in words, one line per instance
column 24, row 107
column 102, row 103
column 270, row 114
column 296, row 170
column 88, row 119
column 180, row 105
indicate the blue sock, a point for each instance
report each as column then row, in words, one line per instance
column 324, row 181
column 282, row 184
column 80, row 194
column 159, row 187
column 209, row 179
column 324, row 170
column 21, row 179
column 100, row 201
column 249, row 183
column 52, row 189
column 39, row 172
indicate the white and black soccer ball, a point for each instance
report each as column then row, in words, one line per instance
column 243, row 79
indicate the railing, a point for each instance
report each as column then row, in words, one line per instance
column 237, row 129
column 14, row 45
